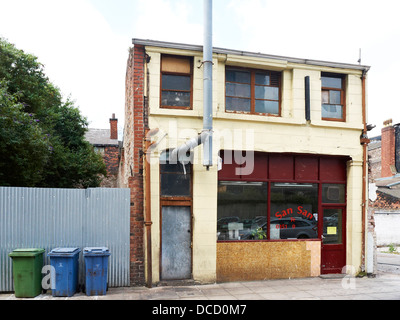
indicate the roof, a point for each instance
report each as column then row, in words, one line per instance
column 374, row 144
column 191, row 47
column 100, row 137
column 395, row 193
column 388, row 182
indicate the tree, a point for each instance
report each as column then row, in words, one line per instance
column 24, row 148
column 42, row 142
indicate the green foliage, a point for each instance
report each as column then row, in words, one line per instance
column 24, row 148
column 392, row 248
column 259, row 234
column 42, row 140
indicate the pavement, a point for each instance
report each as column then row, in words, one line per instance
column 385, row 285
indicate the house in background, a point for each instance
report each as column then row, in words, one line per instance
column 286, row 195
column 105, row 142
column 384, row 158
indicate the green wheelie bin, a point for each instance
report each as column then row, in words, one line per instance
column 27, row 272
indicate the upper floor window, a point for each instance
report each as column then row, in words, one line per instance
column 333, row 97
column 252, row 91
column 176, row 82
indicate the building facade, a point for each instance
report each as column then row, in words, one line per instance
column 286, row 195
column 384, row 158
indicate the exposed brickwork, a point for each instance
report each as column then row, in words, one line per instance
column 133, row 164
column 388, row 151
column 111, row 159
column 374, row 160
column 113, row 128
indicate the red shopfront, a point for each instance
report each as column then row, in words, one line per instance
column 283, row 199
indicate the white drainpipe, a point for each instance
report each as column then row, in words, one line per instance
column 205, row 137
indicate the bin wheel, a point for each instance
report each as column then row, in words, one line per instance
column 83, row 289
column 107, row 287
column 44, row 291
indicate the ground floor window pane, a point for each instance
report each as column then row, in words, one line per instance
column 332, row 227
column 294, row 211
column 242, row 210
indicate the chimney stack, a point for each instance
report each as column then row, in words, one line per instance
column 388, row 150
column 113, row 127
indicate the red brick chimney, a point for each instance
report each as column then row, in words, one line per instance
column 113, row 127
column 388, row 150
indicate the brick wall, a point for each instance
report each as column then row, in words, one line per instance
column 132, row 160
column 111, row 159
column 388, row 151
column 113, row 128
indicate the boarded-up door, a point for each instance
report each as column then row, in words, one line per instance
column 176, row 252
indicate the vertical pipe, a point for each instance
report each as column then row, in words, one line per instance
column 364, row 142
column 147, row 195
column 207, row 96
column 307, row 97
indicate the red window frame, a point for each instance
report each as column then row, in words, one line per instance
column 290, row 168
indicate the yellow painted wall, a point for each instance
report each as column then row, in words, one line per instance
column 288, row 133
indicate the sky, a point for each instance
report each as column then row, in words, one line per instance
column 84, row 43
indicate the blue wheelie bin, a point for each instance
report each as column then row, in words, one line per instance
column 65, row 266
column 96, row 268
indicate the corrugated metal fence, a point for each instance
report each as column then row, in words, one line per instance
column 50, row 218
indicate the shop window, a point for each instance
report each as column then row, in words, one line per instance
column 333, row 97
column 176, row 177
column 281, row 199
column 252, row 91
column 176, row 82
column 242, row 209
column 294, row 211
column 333, row 193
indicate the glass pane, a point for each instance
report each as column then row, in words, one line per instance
column 173, row 82
column 332, row 111
column 332, row 228
column 330, row 82
column 175, row 168
column 263, row 79
column 325, row 97
column 294, row 211
column 175, row 184
column 270, row 93
column 175, row 99
column 237, row 104
column 238, row 90
column 333, row 193
column 271, row 107
column 238, row 76
column 335, row 97
column 242, row 210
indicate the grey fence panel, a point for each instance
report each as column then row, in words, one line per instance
column 51, row 218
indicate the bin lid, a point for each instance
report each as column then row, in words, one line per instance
column 26, row 252
column 64, row 252
column 96, row 251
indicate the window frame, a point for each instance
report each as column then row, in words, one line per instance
column 190, row 107
column 342, row 95
column 253, row 85
column 180, row 198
